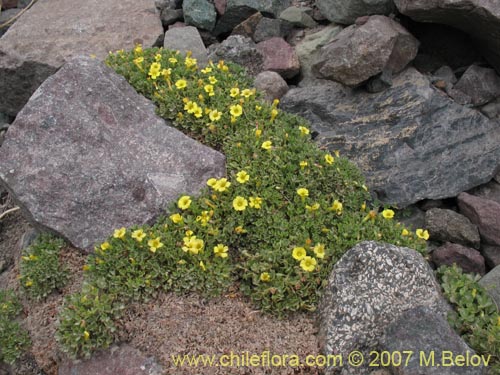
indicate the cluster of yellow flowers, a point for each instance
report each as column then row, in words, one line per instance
column 138, row 235
column 308, row 263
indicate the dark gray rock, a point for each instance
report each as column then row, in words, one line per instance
column 185, row 39
column 168, row 4
column 491, row 282
column 279, row 57
column 170, row 16
column 380, row 82
column 345, row 12
column 247, row 28
column 199, row 13
column 469, row 260
column 421, row 330
column 369, row 287
column 53, row 31
column 268, row 28
column 481, row 84
column 413, row 218
column 409, row 140
column 88, row 155
column 492, row 110
column 360, row 52
column 450, row 226
column 239, row 10
column 490, row 191
column 491, row 255
column 123, row 360
column 271, row 84
column 298, row 17
column 308, row 48
column 240, row 50
column 485, row 214
column 6, row 15
column 478, row 18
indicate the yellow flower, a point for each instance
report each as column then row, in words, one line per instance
column 138, row 49
column 308, row 264
column 215, row 115
column 258, row 108
column 234, row 92
column 211, row 182
column 276, row 102
column 154, row 70
column 363, row 206
column 303, row 164
column 86, row 267
column 86, row 335
column 27, row 259
column 105, row 246
column 246, row 93
column 240, row 230
column 157, row 57
column 28, row 283
column 119, row 233
column 221, row 251
column 33, row 257
column 314, row 207
column 405, row 232
column 388, row 214
column 181, row 84
column 166, row 73
column 138, row 61
column 303, row 192
column 299, row 253
column 304, row 130
column 155, row 244
column 423, row 234
column 265, row 277
column 198, row 112
column 172, row 60
column 258, row 132
column 371, row 216
column 274, row 113
column 242, row 177
column 206, row 70
column 190, row 62
column 138, row 235
column 240, row 203
column 212, row 80
column 222, row 185
column 190, row 106
column 193, row 245
column 336, row 206
column 255, row 202
column 202, row 266
column 184, row 202
column 209, row 89
column 204, row 218
column 329, row 159
column 176, row 218
column 236, row 110
column 319, row 250
column 267, row 145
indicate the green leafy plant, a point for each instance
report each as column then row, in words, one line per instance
column 41, row 270
column 87, row 322
column 13, row 339
column 476, row 316
column 274, row 225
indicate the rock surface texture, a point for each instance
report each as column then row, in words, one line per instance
column 53, row 31
column 346, row 11
column 279, row 57
column 450, row 226
column 478, row 18
column 87, row 155
column 469, row 260
column 369, row 287
column 423, row 331
column 360, row 52
column 491, row 282
column 240, row 50
column 411, row 141
column 186, row 39
column 485, row 214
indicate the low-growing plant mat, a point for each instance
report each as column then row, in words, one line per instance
column 168, row 325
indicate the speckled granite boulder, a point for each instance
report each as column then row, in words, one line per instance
column 368, row 289
column 53, row 31
column 87, row 155
column 423, row 332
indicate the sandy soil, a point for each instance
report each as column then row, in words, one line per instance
column 170, row 325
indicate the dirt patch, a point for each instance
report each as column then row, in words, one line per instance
column 169, row 325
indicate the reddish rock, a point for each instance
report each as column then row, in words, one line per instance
column 220, row 6
column 485, row 214
column 55, row 31
column 123, row 360
column 177, row 24
column 360, row 52
column 468, row 259
column 271, row 84
column 8, row 4
column 279, row 57
column 88, row 154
